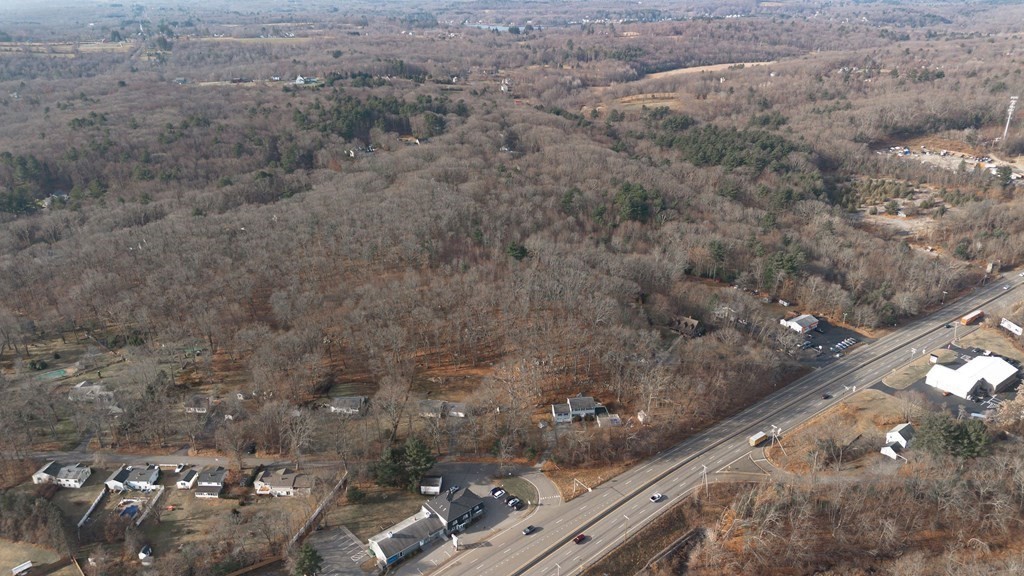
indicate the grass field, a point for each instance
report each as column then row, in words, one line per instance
column 909, row 373
column 383, row 507
column 14, row 553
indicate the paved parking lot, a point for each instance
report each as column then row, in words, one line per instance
column 342, row 552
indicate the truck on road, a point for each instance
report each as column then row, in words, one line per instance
column 972, row 317
column 757, row 439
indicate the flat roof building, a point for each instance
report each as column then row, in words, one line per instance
column 989, row 373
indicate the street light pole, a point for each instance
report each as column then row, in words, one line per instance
column 944, row 297
column 558, row 569
column 625, row 533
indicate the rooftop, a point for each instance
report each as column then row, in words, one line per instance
column 74, row 472
column 407, row 533
column 283, row 478
column 213, row 475
column 582, row 403
column 450, row 505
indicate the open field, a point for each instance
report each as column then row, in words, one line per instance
column 711, row 68
column 14, row 553
column 382, row 507
column 916, row 370
column 858, row 423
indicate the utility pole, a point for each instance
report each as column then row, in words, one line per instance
column 625, row 533
column 776, row 432
column 705, row 475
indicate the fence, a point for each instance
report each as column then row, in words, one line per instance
column 315, row 517
column 153, row 503
column 95, row 503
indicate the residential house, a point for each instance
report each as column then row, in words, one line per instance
column 582, row 406
column 446, row 514
column 348, row 405
column 142, row 478
column 896, row 440
column 561, row 413
column 455, row 409
column 282, row 482
column 86, row 391
column 68, row 476
column 188, row 481
column 197, row 404
column 431, row 485
column 431, row 408
column 211, row 482
column 688, row 326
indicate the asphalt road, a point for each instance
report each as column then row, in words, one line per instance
column 617, row 508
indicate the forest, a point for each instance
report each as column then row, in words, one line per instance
column 504, row 216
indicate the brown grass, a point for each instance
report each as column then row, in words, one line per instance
column 591, row 477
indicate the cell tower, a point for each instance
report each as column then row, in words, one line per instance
column 1009, row 115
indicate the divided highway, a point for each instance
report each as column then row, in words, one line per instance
column 620, row 506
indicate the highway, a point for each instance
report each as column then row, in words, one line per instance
column 619, row 507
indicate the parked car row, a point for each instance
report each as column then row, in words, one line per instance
column 844, row 344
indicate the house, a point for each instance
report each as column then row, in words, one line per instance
column 348, row 405
column 688, row 326
column 211, row 482
column 86, row 391
column 801, row 324
column 197, row 405
column 47, row 474
column 900, row 434
column 431, row 408
column 561, row 413
column 188, row 481
column 431, row 485
column 282, row 482
column 990, row 374
column 444, row 515
column 582, row 406
column 455, row 409
column 306, row 80
column 892, row 450
column 68, row 476
column 133, row 478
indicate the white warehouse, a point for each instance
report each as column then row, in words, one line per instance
column 989, row 373
column 801, row 324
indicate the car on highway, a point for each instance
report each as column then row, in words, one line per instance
column 948, row 326
column 657, row 496
column 826, row 396
column 579, row 538
column 497, row 492
column 529, row 530
column 513, row 502
column 1007, row 287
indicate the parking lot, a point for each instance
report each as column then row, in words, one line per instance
column 342, row 552
column 827, row 342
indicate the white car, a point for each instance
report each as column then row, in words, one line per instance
column 1007, row 287
column 179, row 468
column 657, row 496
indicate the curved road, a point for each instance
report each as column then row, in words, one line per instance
column 613, row 510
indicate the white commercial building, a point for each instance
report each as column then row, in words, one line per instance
column 801, row 324
column 989, row 373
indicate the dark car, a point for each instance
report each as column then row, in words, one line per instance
column 579, row 538
column 519, row 505
column 529, row 530
column 826, row 396
column 251, row 448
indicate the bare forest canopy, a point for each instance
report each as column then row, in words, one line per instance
column 492, row 202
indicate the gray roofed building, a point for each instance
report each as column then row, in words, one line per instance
column 348, row 405
column 561, row 413
column 282, row 482
column 73, row 475
column 211, row 482
column 188, row 481
column 116, row 481
column 449, row 513
column 431, row 408
column 197, row 405
column 46, row 474
column 142, row 478
column 582, row 405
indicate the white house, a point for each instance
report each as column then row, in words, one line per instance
column 561, row 413
column 900, row 434
column 282, row 482
column 802, row 324
column 989, row 373
column 188, row 481
column 68, row 476
column 211, row 482
column 431, row 485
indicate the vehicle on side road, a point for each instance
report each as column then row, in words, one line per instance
column 529, row 530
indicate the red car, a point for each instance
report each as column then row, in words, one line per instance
column 579, row 538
